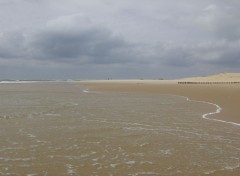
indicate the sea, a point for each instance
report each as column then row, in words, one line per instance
column 63, row 129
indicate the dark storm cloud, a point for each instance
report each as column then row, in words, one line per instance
column 83, row 43
column 230, row 57
column 178, row 57
column 221, row 53
column 12, row 45
column 71, row 39
column 88, row 46
column 138, row 34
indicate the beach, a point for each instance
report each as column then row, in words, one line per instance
column 226, row 96
column 113, row 128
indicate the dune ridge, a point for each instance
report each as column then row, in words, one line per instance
column 222, row 77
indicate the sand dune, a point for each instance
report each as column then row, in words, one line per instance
column 222, row 77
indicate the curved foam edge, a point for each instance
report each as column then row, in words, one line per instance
column 204, row 116
column 218, row 110
column 86, row 91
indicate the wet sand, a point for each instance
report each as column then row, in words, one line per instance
column 227, row 96
column 60, row 128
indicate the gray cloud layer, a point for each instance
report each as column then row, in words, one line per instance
column 70, row 39
column 78, row 42
column 157, row 36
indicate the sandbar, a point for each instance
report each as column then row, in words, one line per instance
column 227, row 96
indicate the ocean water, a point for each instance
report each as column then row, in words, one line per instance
column 62, row 129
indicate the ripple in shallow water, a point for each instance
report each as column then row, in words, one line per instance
column 69, row 132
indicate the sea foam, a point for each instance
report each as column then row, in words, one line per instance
column 217, row 111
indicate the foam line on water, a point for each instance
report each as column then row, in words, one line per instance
column 17, row 82
column 86, row 91
column 217, row 111
column 204, row 116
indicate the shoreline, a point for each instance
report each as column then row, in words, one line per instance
column 226, row 97
column 218, row 110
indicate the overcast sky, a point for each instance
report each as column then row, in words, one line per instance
column 126, row 39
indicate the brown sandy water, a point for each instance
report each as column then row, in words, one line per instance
column 60, row 129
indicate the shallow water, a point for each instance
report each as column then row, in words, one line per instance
column 60, row 129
